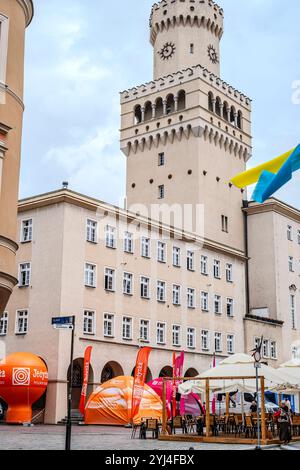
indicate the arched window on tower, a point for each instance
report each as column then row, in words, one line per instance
column 232, row 115
column 137, row 114
column 170, row 104
column 240, row 120
column 218, row 106
column 181, row 100
column 148, row 111
column 225, row 111
column 211, row 102
column 159, row 109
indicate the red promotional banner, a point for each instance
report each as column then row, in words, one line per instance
column 86, row 370
column 140, row 374
column 177, row 372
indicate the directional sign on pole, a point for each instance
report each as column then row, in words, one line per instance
column 63, row 322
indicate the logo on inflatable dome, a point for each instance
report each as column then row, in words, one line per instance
column 21, row 376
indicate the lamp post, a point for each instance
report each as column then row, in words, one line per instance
column 257, row 365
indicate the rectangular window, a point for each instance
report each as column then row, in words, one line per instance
column 230, row 344
column 229, row 307
column 298, row 237
column 161, row 333
column 266, row 349
column 224, row 223
column 127, row 283
column 176, row 257
column 205, row 340
column 229, row 272
column 273, row 349
column 26, row 231
column 88, row 322
column 22, row 322
column 109, row 279
column 204, row 301
column 176, row 335
column 218, row 305
column 176, row 295
column 3, row 324
column 191, row 338
column 128, row 242
column 145, row 247
column 24, row 274
column 257, row 342
column 110, row 237
column 145, row 287
column 161, row 252
column 217, row 269
column 191, row 48
column 91, row 231
column 90, row 275
column 161, row 191
column 161, row 291
column 161, row 159
column 218, row 342
column 145, row 331
column 109, row 325
column 290, row 233
column 190, row 261
column 127, row 328
column 293, row 311
column 204, row 265
column 191, row 301
column 291, row 264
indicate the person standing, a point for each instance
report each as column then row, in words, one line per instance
column 253, row 407
column 285, row 422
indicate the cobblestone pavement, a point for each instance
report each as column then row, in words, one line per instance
column 94, row 438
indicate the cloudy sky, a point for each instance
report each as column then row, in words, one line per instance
column 81, row 54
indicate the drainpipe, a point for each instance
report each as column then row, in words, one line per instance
column 245, row 214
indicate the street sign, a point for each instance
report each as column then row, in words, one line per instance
column 257, row 365
column 63, row 322
column 63, row 327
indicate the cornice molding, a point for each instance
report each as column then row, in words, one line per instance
column 274, row 205
column 28, row 8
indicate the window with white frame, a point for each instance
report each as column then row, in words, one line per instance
column 127, row 328
column 293, row 311
column 109, row 325
column 257, row 342
column 127, row 283
column 91, row 231
column 90, row 275
column 128, row 242
column 291, row 264
column 161, row 191
column 21, row 322
column 110, row 236
column 229, row 272
column 26, row 231
column 176, row 257
column 204, row 301
column 266, row 348
column 176, row 335
column 3, row 324
column 204, row 265
column 218, row 342
column 290, row 233
column 161, row 252
column 145, row 287
column 89, row 322
column 217, row 269
column 190, row 260
column 230, row 344
column 161, row 333
column 218, row 305
column 205, row 340
column 176, row 294
column 230, row 307
column 191, row 300
column 24, row 274
column 161, row 159
column 145, row 330
column 109, row 279
column 191, row 338
column 161, row 291
column 145, row 247
column 273, row 349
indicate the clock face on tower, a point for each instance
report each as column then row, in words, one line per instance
column 212, row 54
column 167, row 51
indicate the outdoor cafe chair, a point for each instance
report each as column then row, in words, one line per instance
column 151, row 425
column 249, row 426
column 178, row 423
column 190, row 424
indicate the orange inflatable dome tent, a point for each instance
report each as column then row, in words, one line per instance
column 110, row 404
column 23, row 380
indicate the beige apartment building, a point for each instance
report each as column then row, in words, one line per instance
column 15, row 16
column 188, row 264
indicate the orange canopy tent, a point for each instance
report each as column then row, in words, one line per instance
column 110, row 404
